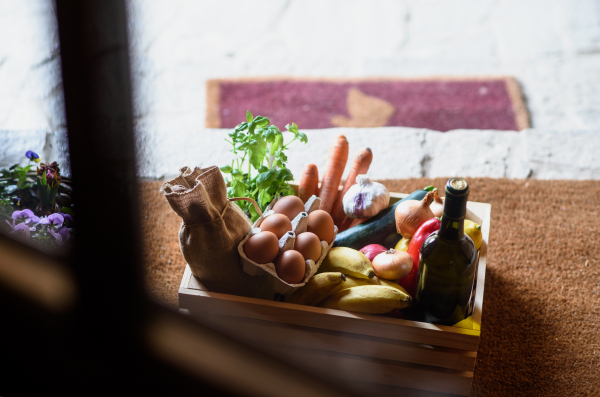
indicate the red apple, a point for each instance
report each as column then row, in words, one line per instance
column 372, row 250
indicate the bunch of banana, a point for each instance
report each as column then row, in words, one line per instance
column 368, row 299
column 348, row 261
column 352, row 282
column 319, row 287
column 362, row 291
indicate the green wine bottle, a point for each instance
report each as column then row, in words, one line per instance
column 447, row 263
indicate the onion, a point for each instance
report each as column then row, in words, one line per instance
column 372, row 250
column 411, row 214
column 437, row 206
column 392, row 264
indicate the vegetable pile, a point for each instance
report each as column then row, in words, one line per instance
column 373, row 265
column 378, row 248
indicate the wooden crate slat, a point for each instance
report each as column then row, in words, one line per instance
column 364, row 369
column 336, row 320
column 485, row 231
column 269, row 333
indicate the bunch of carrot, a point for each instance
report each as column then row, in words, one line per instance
column 329, row 193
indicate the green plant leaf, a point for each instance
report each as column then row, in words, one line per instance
column 266, row 178
column 284, row 174
column 226, row 169
column 67, row 210
column 274, row 188
column 261, row 121
column 249, row 116
column 257, row 154
column 264, row 198
column 253, row 214
column 292, row 128
column 303, row 138
column 270, row 134
column 241, row 127
column 237, row 174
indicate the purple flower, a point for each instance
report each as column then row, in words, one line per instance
column 34, row 220
column 31, row 155
column 52, row 220
column 64, row 233
column 21, row 215
column 68, row 219
column 59, row 237
column 56, row 219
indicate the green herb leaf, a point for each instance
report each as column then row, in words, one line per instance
column 284, row 174
column 292, row 128
column 255, row 143
column 241, row 127
column 302, row 136
column 261, row 121
column 265, row 179
column 257, row 154
column 237, row 174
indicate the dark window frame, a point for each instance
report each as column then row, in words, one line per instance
column 85, row 323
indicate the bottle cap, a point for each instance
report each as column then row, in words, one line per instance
column 457, row 192
column 457, row 187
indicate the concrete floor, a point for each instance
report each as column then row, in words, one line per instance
column 552, row 47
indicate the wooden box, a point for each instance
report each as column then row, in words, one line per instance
column 374, row 355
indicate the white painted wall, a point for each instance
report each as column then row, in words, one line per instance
column 551, row 46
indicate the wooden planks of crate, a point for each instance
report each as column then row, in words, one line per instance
column 373, row 354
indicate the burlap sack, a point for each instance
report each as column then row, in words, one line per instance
column 211, row 230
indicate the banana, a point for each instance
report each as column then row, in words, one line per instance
column 319, row 287
column 348, row 261
column 368, row 299
column 352, row 282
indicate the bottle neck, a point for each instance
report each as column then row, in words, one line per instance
column 452, row 229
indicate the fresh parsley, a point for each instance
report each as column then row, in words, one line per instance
column 260, row 146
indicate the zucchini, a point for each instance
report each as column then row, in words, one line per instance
column 380, row 229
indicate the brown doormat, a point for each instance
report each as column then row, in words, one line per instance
column 541, row 313
column 437, row 103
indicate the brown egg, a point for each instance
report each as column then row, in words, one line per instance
column 289, row 206
column 263, row 247
column 276, row 223
column 321, row 224
column 290, row 267
column 309, row 245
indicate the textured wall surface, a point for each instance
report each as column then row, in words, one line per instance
column 398, row 152
column 552, row 47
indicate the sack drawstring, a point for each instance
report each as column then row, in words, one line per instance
column 229, row 200
column 248, row 199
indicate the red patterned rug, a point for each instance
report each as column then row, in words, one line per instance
column 440, row 104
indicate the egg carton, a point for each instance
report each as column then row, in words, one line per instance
column 286, row 242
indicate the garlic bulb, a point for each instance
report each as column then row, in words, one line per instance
column 365, row 199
